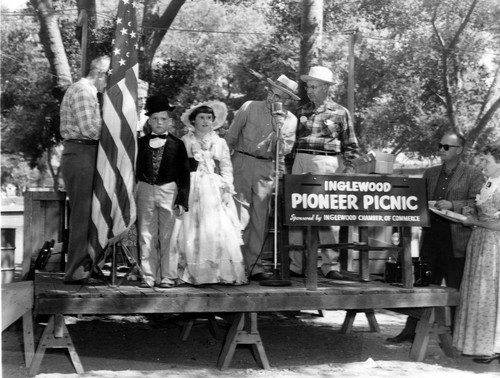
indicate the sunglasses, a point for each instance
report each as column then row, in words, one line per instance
column 446, row 147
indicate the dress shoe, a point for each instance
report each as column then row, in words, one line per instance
column 334, row 275
column 79, row 277
column 487, row 360
column 260, row 276
column 401, row 338
column 297, row 275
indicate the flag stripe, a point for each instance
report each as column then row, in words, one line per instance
column 113, row 205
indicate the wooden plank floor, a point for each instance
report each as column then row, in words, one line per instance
column 52, row 296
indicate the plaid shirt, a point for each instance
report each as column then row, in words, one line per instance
column 328, row 128
column 80, row 112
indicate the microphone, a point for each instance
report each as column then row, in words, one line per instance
column 277, row 109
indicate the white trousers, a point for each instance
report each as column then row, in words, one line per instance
column 155, row 224
column 318, row 165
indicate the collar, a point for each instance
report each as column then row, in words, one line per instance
column 88, row 82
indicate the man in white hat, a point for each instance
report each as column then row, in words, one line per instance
column 325, row 142
column 252, row 137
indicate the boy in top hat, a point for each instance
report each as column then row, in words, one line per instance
column 253, row 136
column 325, row 134
column 162, row 193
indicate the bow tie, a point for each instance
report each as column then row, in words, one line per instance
column 163, row 136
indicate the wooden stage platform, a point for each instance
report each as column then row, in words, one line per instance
column 242, row 305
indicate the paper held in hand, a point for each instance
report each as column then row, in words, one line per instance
column 450, row 215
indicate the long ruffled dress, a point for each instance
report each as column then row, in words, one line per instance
column 209, row 237
column 477, row 326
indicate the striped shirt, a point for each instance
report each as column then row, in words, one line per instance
column 80, row 112
column 327, row 128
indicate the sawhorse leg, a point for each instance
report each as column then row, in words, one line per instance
column 29, row 338
column 433, row 321
column 55, row 335
column 349, row 320
column 211, row 323
column 239, row 334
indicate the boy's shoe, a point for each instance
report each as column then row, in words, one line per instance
column 166, row 285
column 146, row 284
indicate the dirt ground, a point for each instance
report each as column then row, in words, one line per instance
column 297, row 345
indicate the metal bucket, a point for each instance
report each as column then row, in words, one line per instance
column 8, row 254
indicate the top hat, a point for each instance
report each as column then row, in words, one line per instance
column 319, row 73
column 157, row 103
column 286, row 85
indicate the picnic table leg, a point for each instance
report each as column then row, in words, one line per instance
column 238, row 334
column 55, row 335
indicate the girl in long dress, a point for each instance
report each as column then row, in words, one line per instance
column 209, row 237
column 477, row 326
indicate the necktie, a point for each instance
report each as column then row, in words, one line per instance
column 163, row 136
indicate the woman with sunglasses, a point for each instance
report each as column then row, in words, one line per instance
column 477, row 326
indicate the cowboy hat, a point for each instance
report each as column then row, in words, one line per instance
column 286, row 85
column 220, row 111
column 319, row 73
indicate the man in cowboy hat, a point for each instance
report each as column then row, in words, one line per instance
column 253, row 138
column 325, row 134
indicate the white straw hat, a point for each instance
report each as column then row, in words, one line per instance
column 319, row 73
column 286, row 85
column 220, row 111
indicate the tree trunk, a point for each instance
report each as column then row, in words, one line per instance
column 50, row 37
column 154, row 29
column 312, row 33
column 87, row 19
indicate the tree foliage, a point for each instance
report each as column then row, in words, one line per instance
column 422, row 66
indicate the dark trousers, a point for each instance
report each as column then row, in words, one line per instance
column 437, row 251
column 78, row 164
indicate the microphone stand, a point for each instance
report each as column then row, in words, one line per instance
column 276, row 279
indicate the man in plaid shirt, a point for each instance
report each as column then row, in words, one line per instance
column 81, row 126
column 325, row 133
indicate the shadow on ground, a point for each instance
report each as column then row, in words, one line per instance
column 296, row 344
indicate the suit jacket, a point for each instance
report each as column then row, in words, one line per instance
column 462, row 189
column 174, row 166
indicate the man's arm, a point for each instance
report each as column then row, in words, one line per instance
column 87, row 114
column 239, row 121
column 350, row 146
column 471, row 187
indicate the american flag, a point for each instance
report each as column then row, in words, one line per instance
column 113, row 203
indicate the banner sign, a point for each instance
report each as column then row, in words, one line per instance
column 361, row 200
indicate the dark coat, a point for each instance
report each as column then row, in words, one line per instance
column 462, row 189
column 174, row 166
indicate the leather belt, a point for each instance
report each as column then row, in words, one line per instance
column 89, row 142
column 256, row 157
column 316, row 152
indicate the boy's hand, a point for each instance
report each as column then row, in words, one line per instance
column 179, row 210
column 226, row 199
